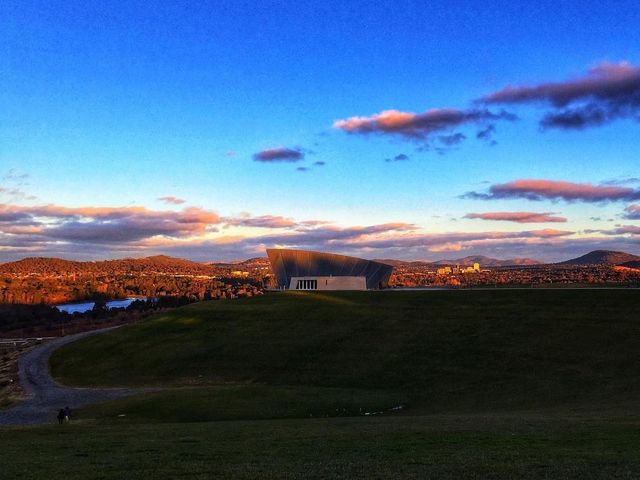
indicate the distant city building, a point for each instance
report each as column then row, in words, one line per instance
column 458, row 269
column 307, row 270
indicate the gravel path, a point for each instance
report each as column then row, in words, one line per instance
column 45, row 395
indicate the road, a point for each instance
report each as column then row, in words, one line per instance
column 45, row 397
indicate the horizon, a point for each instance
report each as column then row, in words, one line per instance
column 394, row 130
column 265, row 257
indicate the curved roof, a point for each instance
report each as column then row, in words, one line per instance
column 288, row 263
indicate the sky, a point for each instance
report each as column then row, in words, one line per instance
column 386, row 129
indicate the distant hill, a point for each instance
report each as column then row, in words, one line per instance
column 602, row 257
column 42, row 266
column 487, row 261
column 466, row 262
column 58, row 266
column 403, row 263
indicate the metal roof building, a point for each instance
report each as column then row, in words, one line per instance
column 307, row 270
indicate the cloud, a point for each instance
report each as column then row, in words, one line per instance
column 172, row 200
column 264, row 221
column 230, row 154
column 16, row 194
column 401, row 157
column 450, row 140
column 622, row 181
column 109, row 224
column 632, row 212
column 468, row 238
column 605, row 93
column 14, row 176
column 399, row 239
column 486, row 133
column 619, row 230
column 302, row 169
column 518, row 217
column 279, row 154
column 327, row 235
column 104, row 232
column 319, row 163
column 532, row 189
column 418, row 126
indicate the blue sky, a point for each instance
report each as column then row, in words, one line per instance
column 114, row 105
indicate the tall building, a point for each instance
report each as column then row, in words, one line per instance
column 307, row 270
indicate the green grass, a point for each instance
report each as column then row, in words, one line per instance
column 207, row 404
column 497, row 447
column 460, row 351
column 528, row 384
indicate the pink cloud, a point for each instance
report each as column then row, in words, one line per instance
column 417, row 125
column 107, row 224
column 532, row 189
column 518, row 217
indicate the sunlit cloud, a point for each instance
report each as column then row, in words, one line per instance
column 200, row 234
column 419, row 125
column 518, row 217
column 534, row 189
column 110, row 224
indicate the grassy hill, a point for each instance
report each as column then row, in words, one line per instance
column 439, row 350
column 498, row 384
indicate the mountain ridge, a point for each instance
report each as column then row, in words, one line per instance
column 467, row 261
column 59, row 266
column 175, row 265
column 602, row 257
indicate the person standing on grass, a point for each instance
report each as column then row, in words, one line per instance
column 61, row 416
column 67, row 414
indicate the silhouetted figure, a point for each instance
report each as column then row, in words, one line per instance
column 61, row 416
column 67, row 414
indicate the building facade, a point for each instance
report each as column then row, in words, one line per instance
column 307, row 270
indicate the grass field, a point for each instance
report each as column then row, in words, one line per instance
column 441, row 350
column 494, row 384
column 520, row 446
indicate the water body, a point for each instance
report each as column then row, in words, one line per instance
column 87, row 306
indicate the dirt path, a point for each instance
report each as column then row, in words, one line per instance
column 45, row 396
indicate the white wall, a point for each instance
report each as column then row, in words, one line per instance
column 334, row 283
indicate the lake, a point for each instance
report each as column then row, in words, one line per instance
column 87, row 306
